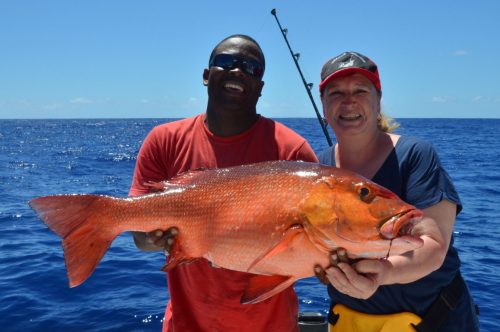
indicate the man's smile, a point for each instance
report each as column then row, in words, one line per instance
column 234, row 86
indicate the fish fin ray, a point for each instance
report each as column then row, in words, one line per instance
column 177, row 257
column 179, row 181
column 63, row 213
column 176, row 262
column 155, row 186
column 281, row 246
column 262, row 287
column 75, row 218
column 185, row 177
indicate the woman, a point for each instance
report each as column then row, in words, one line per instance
column 425, row 283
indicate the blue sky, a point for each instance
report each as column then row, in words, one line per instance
column 129, row 59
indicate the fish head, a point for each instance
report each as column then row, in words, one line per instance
column 346, row 210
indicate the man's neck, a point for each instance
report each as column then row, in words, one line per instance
column 229, row 123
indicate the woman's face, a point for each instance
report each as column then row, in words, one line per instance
column 351, row 105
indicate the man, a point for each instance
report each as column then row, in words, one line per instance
column 230, row 133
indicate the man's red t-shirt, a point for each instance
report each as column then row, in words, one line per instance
column 204, row 298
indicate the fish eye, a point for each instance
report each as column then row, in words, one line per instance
column 365, row 195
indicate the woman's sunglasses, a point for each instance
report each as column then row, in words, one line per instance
column 229, row 61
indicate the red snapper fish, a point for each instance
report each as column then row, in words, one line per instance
column 275, row 220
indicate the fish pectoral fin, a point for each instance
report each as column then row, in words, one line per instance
column 177, row 257
column 288, row 237
column 262, row 287
column 172, row 262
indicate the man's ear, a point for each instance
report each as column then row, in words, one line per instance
column 261, row 87
column 206, row 72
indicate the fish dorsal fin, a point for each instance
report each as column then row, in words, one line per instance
column 185, row 177
column 178, row 181
column 261, row 287
column 154, row 186
column 282, row 245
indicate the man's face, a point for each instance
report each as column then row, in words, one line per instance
column 234, row 79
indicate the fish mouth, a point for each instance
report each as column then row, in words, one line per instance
column 400, row 224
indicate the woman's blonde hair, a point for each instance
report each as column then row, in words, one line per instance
column 386, row 124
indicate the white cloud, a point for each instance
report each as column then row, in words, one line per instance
column 192, row 104
column 442, row 99
column 193, row 101
column 265, row 104
column 80, row 100
column 53, row 106
column 484, row 99
column 460, row 53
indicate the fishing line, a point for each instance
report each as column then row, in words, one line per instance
column 389, row 251
column 308, row 86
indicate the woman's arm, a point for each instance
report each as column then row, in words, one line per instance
column 363, row 278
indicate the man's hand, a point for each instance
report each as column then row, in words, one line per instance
column 156, row 240
column 163, row 239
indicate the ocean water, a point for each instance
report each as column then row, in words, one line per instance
column 128, row 291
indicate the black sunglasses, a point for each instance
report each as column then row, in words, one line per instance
column 229, row 61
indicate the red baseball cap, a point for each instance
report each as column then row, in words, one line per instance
column 349, row 63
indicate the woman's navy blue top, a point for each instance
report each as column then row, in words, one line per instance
column 414, row 172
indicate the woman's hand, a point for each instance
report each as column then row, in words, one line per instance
column 358, row 279
column 362, row 278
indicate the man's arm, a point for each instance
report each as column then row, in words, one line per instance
column 148, row 174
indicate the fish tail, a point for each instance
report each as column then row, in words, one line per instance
column 80, row 220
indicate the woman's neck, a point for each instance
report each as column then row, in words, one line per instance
column 364, row 154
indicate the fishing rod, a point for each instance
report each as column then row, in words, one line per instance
column 308, row 86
